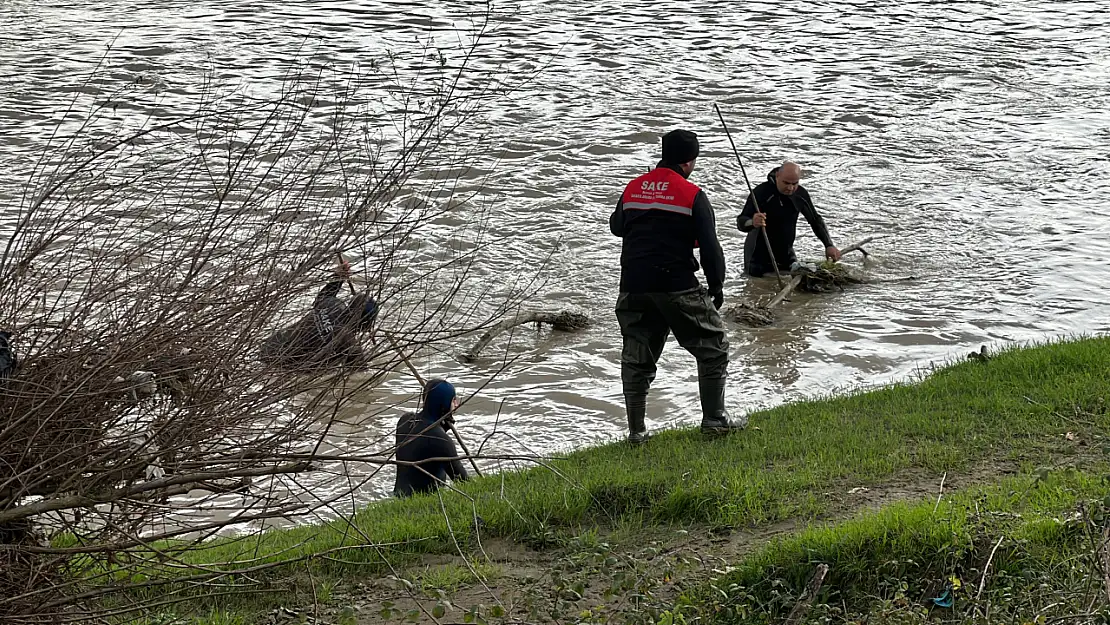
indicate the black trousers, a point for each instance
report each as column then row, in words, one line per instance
column 647, row 318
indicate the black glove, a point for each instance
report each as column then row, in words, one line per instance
column 448, row 420
column 718, row 299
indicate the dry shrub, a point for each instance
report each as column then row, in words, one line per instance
column 148, row 263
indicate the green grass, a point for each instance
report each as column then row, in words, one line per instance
column 451, row 577
column 1017, row 406
column 888, row 565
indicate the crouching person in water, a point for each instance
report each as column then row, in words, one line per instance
column 329, row 334
column 422, row 438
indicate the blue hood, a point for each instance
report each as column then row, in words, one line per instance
column 437, row 399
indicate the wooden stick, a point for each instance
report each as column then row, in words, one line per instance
column 465, row 450
column 1104, row 553
column 408, row 363
column 858, row 245
column 785, row 292
column 806, row 601
column 941, row 493
column 420, row 379
column 755, row 202
column 987, row 568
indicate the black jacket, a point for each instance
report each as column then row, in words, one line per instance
column 418, row 441
column 8, row 360
column 657, row 254
column 782, row 223
column 327, row 335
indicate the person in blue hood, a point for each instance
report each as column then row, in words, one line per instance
column 329, row 334
column 422, row 438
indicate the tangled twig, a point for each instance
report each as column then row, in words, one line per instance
column 139, row 405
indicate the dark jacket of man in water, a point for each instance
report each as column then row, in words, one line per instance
column 8, row 360
column 781, row 199
column 661, row 218
column 329, row 334
column 422, row 436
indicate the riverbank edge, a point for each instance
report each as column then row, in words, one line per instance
column 1028, row 392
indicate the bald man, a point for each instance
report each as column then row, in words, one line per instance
column 781, row 199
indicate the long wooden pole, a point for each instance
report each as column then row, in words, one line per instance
column 751, row 192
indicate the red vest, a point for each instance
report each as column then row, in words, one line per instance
column 661, row 189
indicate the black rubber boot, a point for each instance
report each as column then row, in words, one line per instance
column 636, row 407
column 714, row 417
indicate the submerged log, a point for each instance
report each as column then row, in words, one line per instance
column 858, row 245
column 750, row 314
column 565, row 321
column 758, row 315
column 824, row 278
column 781, row 296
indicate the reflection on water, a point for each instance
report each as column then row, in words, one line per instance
column 969, row 139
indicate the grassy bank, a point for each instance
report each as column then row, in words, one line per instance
column 798, row 461
column 1027, row 550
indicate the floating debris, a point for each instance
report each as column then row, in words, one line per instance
column 813, row 278
column 565, row 321
column 824, row 278
column 753, row 315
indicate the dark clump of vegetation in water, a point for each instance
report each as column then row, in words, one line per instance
column 825, row 277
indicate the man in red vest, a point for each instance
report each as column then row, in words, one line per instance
column 662, row 217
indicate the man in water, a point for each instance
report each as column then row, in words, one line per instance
column 661, row 218
column 422, row 438
column 329, row 334
column 781, row 198
column 8, row 360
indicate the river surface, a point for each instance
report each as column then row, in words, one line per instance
column 972, row 139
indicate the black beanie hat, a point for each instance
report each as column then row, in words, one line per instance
column 679, row 146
